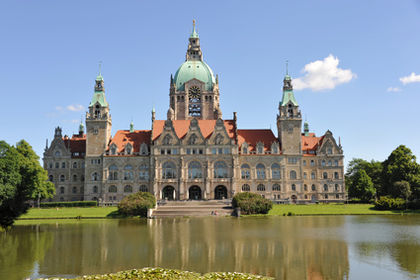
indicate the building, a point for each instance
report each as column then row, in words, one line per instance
column 195, row 153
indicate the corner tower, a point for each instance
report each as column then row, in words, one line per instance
column 98, row 121
column 194, row 91
column 289, row 121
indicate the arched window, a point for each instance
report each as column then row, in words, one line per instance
column 335, row 162
column 276, row 188
column 312, row 162
column 74, row 164
column 51, row 178
column 112, row 189
column 168, row 170
column 63, row 165
column 167, row 140
column 95, row 189
column 260, row 171
column 113, row 172
column 74, row 178
column 61, row 190
column 325, row 188
column 245, row 171
column 62, row 178
column 336, row 175
column 323, row 163
column 143, row 188
column 128, row 188
column 246, row 188
column 113, row 149
column 95, row 176
column 305, row 176
column 82, row 178
column 275, row 171
column 261, row 188
column 305, row 187
column 220, row 169
column 313, row 175
column 325, row 175
column 192, row 140
column 293, row 187
column 128, row 172
column 329, row 163
column 293, row 174
column 144, row 150
column 313, row 188
column 219, row 139
column 329, row 150
column 128, row 149
column 144, row 172
column 74, row 190
column 194, row 170
column 336, row 187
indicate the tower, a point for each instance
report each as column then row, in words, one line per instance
column 289, row 121
column 194, row 91
column 98, row 121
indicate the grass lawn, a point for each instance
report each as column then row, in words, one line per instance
column 70, row 212
column 332, row 209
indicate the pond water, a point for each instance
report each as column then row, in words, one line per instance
column 319, row 247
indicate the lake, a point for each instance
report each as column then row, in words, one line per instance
column 296, row 247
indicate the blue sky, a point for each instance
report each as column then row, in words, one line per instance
column 348, row 58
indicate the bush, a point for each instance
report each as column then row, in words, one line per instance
column 389, row 203
column 136, row 204
column 252, row 203
column 68, row 204
column 415, row 204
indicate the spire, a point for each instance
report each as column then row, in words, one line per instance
column 99, row 94
column 81, row 128
column 306, row 129
column 99, row 77
column 131, row 127
column 194, row 33
column 153, row 114
column 194, row 50
column 288, row 95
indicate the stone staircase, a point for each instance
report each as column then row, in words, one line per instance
column 192, row 208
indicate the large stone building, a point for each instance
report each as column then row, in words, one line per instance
column 195, row 153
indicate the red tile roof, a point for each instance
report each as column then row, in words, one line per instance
column 310, row 144
column 253, row 136
column 77, row 145
column 181, row 127
column 136, row 138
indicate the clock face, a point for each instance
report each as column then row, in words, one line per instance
column 194, row 94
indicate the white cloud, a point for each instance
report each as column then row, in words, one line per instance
column 323, row 75
column 393, row 89
column 75, row 108
column 412, row 78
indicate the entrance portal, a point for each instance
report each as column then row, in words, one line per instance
column 168, row 193
column 220, row 192
column 194, row 193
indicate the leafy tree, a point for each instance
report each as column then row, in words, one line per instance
column 401, row 189
column 373, row 169
column 136, row 204
column 361, row 186
column 21, row 178
column 401, row 165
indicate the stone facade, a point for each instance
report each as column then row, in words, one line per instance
column 194, row 153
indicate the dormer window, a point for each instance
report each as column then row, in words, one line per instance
column 244, row 148
column 274, row 148
column 113, row 149
column 128, row 149
column 143, row 149
column 260, row 148
column 57, row 153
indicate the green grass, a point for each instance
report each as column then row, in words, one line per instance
column 70, row 212
column 332, row 209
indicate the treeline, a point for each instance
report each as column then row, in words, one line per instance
column 396, row 179
column 22, row 179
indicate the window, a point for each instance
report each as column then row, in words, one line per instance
column 74, row 190
column 50, row 165
column 274, row 148
column 220, row 169
column 167, row 140
column 244, row 150
column 74, row 164
column 260, row 171
column 313, row 188
column 128, row 172
column 57, row 165
column 246, row 188
column 329, row 163
column 95, row 176
column 293, row 187
column 305, row 175
column 292, row 160
column 312, row 162
column 113, row 172
column 245, row 171
column 275, row 171
column 326, row 196
column 168, row 170
column 337, row 196
column 293, row 174
column 226, row 151
column 336, row 187
column 128, row 149
column 323, row 163
column 194, row 170
column 329, row 150
column 261, row 188
column 95, row 189
column 304, row 163
column 57, row 153
column 51, row 178
column 325, row 175
column 112, row 189
column 128, row 189
column 74, row 178
column 63, row 165
column 213, row 151
column 144, row 149
column 276, row 188
column 313, row 175
column 219, row 139
column 61, row 190
column 335, row 162
column 113, row 149
column 305, row 187
column 260, row 148
column 336, row 175
column 325, row 188
column 62, row 178
column 143, row 188
column 144, row 172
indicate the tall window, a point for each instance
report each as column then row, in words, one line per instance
column 113, row 172
column 128, row 188
column 276, row 188
column 325, row 175
column 336, row 187
column 293, row 187
column 245, row 171
column 95, row 176
column 128, row 172
column 336, row 175
column 220, row 169
column 62, row 178
column 293, row 174
column 325, row 188
column 51, row 177
column 194, row 170
column 275, row 171
column 312, row 162
column 74, row 164
column 143, row 149
column 261, row 188
column 194, row 98
column 74, row 178
column 313, row 188
column 313, row 175
column 192, row 140
column 113, row 149
column 168, row 170
column 323, row 162
column 246, row 188
column 128, row 149
column 260, row 171
column 112, row 189
column 144, row 172
column 305, row 187
column 62, row 190
column 95, row 189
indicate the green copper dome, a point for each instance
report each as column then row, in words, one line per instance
column 194, row 69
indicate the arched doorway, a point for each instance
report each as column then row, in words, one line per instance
column 194, row 193
column 168, row 193
column 294, row 198
column 220, row 192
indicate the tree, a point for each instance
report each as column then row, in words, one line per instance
column 137, row 204
column 21, row 178
column 401, row 189
column 401, row 165
column 361, row 186
column 373, row 169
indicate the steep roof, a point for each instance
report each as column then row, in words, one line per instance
column 310, row 144
column 253, row 136
column 181, row 127
column 77, row 145
column 136, row 138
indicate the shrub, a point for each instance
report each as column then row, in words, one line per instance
column 415, row 204
column 389, row 203
column 136, row 204
column 68, row 204
column 252, row 203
